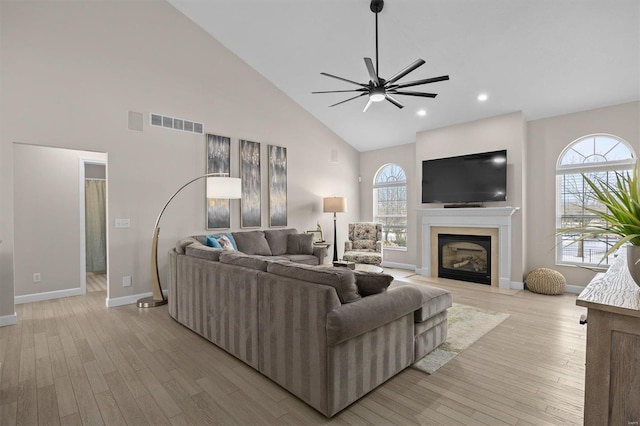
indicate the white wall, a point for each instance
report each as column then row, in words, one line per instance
column 370, row 163
column 546, row 139
column 71, row 71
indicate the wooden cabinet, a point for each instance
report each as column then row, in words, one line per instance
column 612, row 377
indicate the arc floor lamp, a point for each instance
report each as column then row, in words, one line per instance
column 334, row 205
column 218, row 186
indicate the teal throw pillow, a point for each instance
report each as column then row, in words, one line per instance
column 212, row 241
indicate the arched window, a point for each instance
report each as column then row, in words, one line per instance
column 597, row 157
column 390, row 204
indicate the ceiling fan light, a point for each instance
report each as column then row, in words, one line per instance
column 377, row 94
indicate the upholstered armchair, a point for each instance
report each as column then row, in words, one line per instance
column 365, row 243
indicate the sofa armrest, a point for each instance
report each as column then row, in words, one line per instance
column 353, row 319
column 320, row 252
column 348, row 246
column 379, row 246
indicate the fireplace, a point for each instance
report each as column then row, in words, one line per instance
column 465, row 257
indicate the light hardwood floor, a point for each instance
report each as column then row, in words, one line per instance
column 73, row 361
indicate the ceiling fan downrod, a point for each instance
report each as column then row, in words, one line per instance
column 376, row 7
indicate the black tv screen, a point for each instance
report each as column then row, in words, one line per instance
column 465, row 179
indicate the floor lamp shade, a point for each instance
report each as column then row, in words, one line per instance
column 221, row 187
column 334, row 205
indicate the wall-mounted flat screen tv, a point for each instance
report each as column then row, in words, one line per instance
column 474, row 178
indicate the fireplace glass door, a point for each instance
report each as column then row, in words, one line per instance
column 465, row 257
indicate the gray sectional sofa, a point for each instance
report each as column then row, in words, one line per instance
column 327, row 335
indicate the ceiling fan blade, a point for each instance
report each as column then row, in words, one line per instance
column 340, row 91
column 372, row 71
column 366, row 107
column 393, row 101
column 343, row 79
column 417, row 63
column 422, row 94
column 419, row 82
column 347, row 100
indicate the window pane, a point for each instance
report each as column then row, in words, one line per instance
column 390, row 205
column 576, row 200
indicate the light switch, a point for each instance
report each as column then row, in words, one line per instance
column 123, row 223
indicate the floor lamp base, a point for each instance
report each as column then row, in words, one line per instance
column 150, row 302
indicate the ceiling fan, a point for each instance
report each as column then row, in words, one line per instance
column 378, row 88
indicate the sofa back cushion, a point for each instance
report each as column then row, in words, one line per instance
column 203, row 252
column 252, row 242
column 369, row 283
column 299, row 244
column 342, row 279
column 277, row 239
column 240, row 259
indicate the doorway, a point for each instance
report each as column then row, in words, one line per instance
column 49, row 221
column 95, row 207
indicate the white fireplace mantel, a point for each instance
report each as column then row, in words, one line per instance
column 484, row 217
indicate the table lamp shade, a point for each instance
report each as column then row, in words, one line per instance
column 222, row 187
column 334, row 205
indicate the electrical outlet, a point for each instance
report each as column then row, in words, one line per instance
column 126, row 281
column 36, row 277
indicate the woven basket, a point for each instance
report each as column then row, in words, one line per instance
column 546, row 281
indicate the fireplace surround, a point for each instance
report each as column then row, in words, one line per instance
column 471, row 221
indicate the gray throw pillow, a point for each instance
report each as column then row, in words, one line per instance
column 277, row 239
column 300, row 244
column 369, row 283
column 252, row 242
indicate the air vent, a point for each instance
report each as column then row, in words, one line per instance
column 175, row 123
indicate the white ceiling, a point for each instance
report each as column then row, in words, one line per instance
column 542, row 57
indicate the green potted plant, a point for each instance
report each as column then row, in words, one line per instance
column 622, row 215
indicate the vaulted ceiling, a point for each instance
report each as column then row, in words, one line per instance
column 542, row 57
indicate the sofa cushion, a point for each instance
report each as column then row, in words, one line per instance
column 369, row 283
column 305, row 259
column 364, row 245
column 277, row 239
column 240, row 259
column 203, row 252
column 252, row 242
column 434, row 300
column 354, row 319
column 299, row 244
column 342, row 279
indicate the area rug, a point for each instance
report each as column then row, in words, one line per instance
column 466, row 325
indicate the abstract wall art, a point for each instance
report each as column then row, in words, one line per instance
column 277, row 186
column 250, row 203
column 218, row 161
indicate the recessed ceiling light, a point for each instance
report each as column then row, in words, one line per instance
column 422, row 112
column 483, row 97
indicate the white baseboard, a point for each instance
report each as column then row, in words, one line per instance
column 129, row 300
column 9, row 320
column 48, row 295
column 516, row 285
column 399, row 265
column 573, row 289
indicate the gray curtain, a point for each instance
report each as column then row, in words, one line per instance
column 95, row 225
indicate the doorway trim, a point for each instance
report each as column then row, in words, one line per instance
column 83, row 232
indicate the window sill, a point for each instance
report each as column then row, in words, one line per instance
column 594, row 268
column 385, row 248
